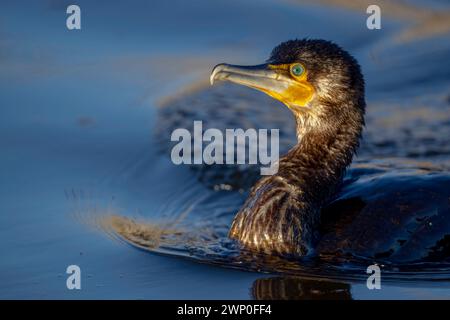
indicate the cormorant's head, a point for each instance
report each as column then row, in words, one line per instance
column 316, row 79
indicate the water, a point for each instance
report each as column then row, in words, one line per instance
column 85, row 123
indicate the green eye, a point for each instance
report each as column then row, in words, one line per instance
column 297, row 69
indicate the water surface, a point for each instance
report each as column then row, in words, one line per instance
column 85, row 123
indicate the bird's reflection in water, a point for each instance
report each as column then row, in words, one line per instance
column 295, row 288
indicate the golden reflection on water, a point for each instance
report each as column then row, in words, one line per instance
column 295, row 288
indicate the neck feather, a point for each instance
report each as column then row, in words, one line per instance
column 323, row 152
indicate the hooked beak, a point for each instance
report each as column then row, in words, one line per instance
column 271, row 79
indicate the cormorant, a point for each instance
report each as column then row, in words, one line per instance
column 323, row 86
column 389, row 208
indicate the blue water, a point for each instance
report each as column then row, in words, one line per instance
column 78, row 111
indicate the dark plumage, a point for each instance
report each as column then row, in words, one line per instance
column 282, row 212
column 394, row 210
